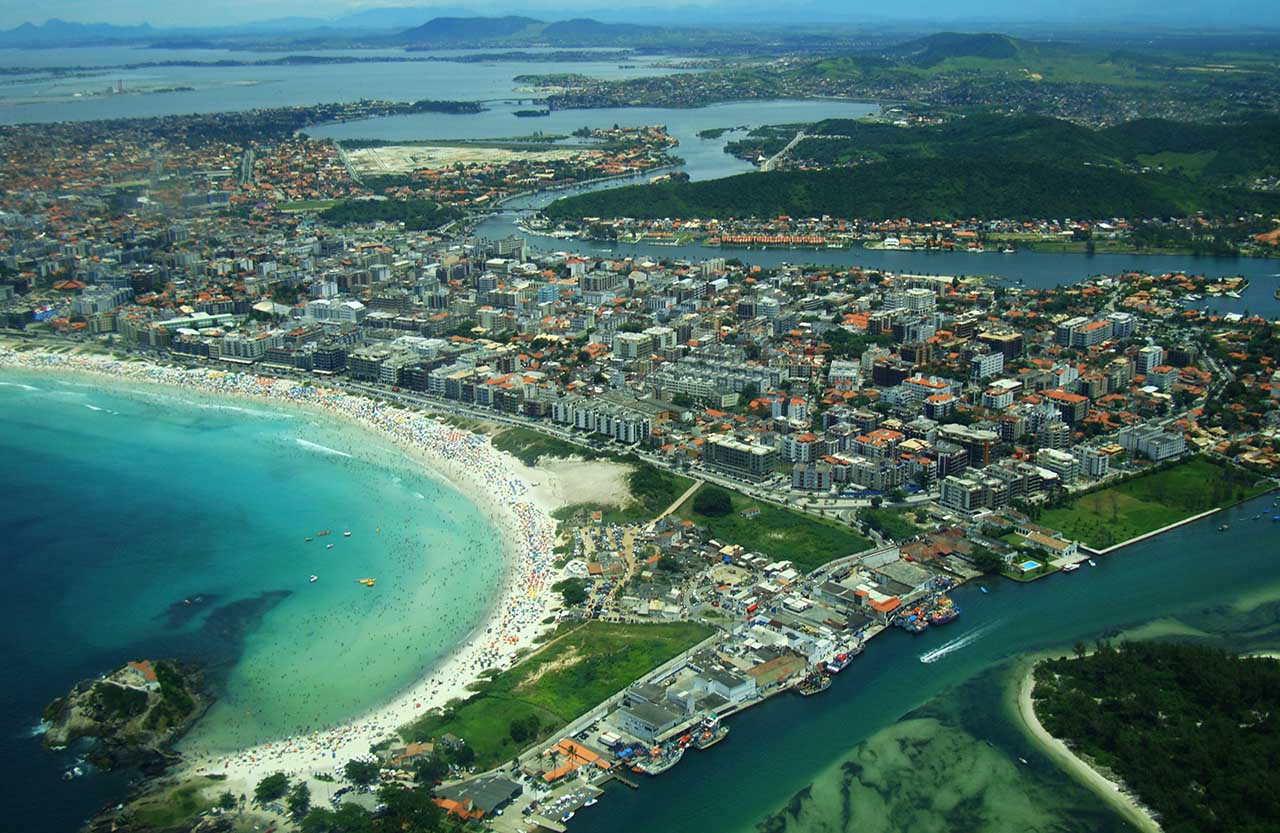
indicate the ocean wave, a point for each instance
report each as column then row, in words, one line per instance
column 323, row 449
column 103, row 410
column 957, row 643
column 213, row 406
column 19, row 385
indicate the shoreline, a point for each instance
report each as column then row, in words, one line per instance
column 1115, row 794
column 495, row 482
column 1153, row 533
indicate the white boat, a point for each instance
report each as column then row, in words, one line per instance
column 346, row 534
column 1071, row 568
column 590, row 802
column 1092, row 563
column 313, row 579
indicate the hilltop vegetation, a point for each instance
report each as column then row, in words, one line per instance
column 923, row 189
column 981, row 166
column 1193, row 731
column 1219, row 154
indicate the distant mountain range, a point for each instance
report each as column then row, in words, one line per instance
column 391, row 26
column 513, row 30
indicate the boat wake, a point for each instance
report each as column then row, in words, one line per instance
column 323, row 449
column 19, row 385
column 957, row 643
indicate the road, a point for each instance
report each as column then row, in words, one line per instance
column 772, row 161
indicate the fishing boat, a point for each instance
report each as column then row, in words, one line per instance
column 367, row 582
column 814, row 682
column 314, row 579
column 712, row 732
column 837, row 663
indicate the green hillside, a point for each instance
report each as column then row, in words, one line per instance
column 923, row 189
column 1222, row 154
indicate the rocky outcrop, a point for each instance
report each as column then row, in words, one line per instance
column 135, row 713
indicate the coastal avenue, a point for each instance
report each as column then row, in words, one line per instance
column 1193, row 568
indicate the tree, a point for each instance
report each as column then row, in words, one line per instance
column 227, row 801
column 712, row 502
column 361, row 773
column 877, row 502
column 430, row 770
column 299, row 801
column 524, row 728
column 410, row 811
column 573, row 590
column 986, row 560
column 271, row 788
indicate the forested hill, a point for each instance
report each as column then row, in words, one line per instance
column 1193, row 731
column 923, row 189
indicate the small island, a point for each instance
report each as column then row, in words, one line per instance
column 136, row 713
column 1188, row 732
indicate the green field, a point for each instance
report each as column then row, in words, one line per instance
column 307, row 205
column 580, row 667
column 889, row 523
column 779, row 533
column 1148, row 502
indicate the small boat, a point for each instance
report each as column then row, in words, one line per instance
column 314, row 579
column 1071, row 568
column 1024, row 761
column 983, row 589
column 590, row 802
column 308, row 540
column 346, row 534
column 367, row 582
column 1224, row 527
column 328, row 546
column 324, row 532
column 1092, row 563
column 566, row 817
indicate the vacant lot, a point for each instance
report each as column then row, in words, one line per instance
column 577, row 669
column 777, row 532
column 1148, row 502
column 402, row 159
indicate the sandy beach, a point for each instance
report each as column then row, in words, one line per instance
column 517, row 499
column 1111, row 792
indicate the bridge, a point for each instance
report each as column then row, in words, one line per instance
column 772, row 161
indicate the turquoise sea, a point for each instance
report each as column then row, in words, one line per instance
column 148, row 522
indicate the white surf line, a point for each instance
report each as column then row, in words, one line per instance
column 957, row 643
column 323, row 449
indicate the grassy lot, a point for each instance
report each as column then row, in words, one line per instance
column 577, row 669
column 890, row 523
column 779, row 533
column 531, row 446
column 307, row 205
column 1106, row 517
column 175, row 807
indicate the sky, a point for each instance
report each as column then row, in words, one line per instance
column 222, row 12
